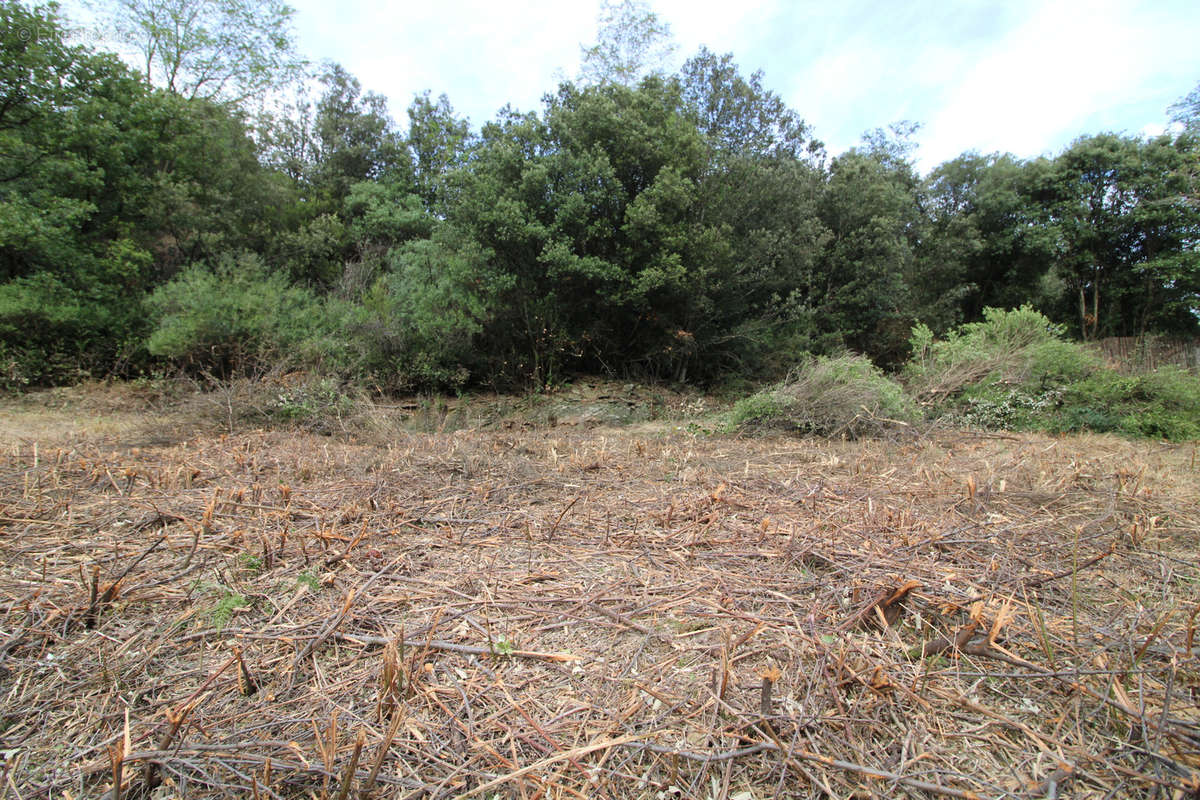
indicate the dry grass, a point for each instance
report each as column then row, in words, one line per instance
column 555, row 613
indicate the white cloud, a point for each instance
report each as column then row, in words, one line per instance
column 1040, row 86
column 482, row 55
column 486, row 54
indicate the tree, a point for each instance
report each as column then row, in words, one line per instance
column 346, row 137
column 587, row 221
column 631, row 43
column 107, row 188
column 286, row 140
column 328, row 151
column 741, row 117
column 438, row 142
column 764, row 274
column 1126, row 223
column 1186, row 110
column 227, row 50
column 355, row 137
column 45, row 190
column 860, row 295
column 67, row 264
column 986, row 244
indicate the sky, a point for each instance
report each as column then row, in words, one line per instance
column 1019, row 76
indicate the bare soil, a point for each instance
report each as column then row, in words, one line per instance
column 533, row 609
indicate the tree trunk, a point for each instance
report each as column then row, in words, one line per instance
column 1083, row 327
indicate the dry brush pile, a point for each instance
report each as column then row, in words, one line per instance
column 540, row 614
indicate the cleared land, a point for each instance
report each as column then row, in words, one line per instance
column 563, row 611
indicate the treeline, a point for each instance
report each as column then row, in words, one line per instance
column 684, row 227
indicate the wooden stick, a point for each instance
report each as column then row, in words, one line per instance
column 348, row 775
column 369, row 783
column 116, row 757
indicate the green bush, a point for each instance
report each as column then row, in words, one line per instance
column 311, row 402
column 417, row 326
column 842, row 396
column 1018, row 348
column 223, row 611
column 235, row 317
column 53, row 333
column 414, row 328
column 315, row 252
column 1014, row 371
column 1164, row 404
column 996, row 407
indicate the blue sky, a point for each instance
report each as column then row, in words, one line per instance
column 1020, row 75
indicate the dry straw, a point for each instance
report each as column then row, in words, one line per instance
column 564, row 615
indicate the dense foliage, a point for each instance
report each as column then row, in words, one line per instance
column 1014, row 370
column 682, row 226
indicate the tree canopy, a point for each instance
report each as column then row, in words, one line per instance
column 211, row 49
column 632, row 42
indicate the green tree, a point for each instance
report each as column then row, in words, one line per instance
column 233, row 317
column 287, row 143
column 387, row 213
column 61, row 113
column 228, row 50
column 860, row 295
column 764, row 280
column 1123, row 212
column 739, row 116
column 986, row 245
column 345, row 140
column 587, row 219
column 1186, row 110
column 203, row 190
column 355, row 138
column 439, row 142
column 107, row 188
column 631, row 42
column 419, row 324
column 67, row 263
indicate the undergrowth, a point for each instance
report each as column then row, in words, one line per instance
column 842, row 396
column 1012, row 371
column 1015, row 371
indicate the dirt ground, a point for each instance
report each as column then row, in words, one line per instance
column 566, row 602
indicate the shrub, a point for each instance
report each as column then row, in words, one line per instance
column 311, row 402
column 52, row 333
column 235, row 317
column 225, row 608
column 315, row 252
column 417, row 326
column 998, row 407
column 1164, row 404
column 846, row 395
column 1019, row 348
column 1013, row 371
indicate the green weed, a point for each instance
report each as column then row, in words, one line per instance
column 223, row 612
